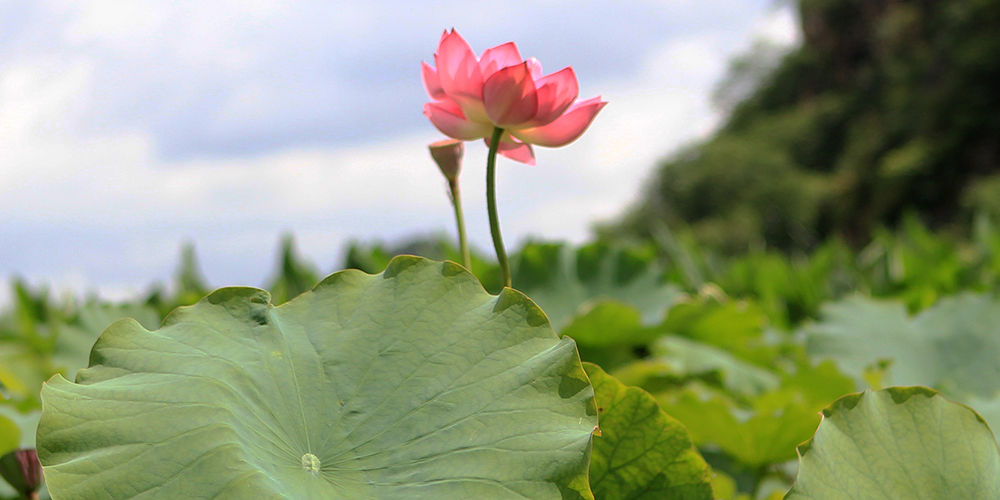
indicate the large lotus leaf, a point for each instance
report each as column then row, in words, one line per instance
column 412, row 384
column 642, row 453
column 953, row 346
column 566, row 281
column 901, row 442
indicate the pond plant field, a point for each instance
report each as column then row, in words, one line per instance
column 707, row 374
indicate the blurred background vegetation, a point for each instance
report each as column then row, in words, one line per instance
column 887, row 108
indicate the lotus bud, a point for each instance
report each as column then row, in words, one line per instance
column 448, row 156
column 23, row 471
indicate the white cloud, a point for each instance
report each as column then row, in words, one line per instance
column 37, row 101
column 780, row 27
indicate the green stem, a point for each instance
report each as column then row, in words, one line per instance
column 463, row 243
column 491, row 203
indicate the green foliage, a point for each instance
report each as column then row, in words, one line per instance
column 294, row 275
column 912, row 443
column 885, row 108
column 189, row 285
column 61, row 343
column 789, row 259
column 762, row 440
column 641, row 452
column 730, row 347
column 375, row 257
column 565, row 281
column 71, row 352
column 758, row 430
column 10, row 435
column 26, row 422
column 712, row 364
column 414, row 383
column 912, row 264
column 607, row 298
column 747, row 394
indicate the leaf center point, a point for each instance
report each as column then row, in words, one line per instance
column 311, row 463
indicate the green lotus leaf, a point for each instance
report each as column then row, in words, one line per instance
column 699, row 359
column 608, row 323
column 642, row 453
column 821, row 385
column 412, row 384
column 901, row 442
column 760, row 440
column 566, row 282
column 953, row 346
column 713, row 318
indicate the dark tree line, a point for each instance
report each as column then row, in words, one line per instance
column 888, row 107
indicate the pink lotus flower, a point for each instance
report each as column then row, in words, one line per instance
column 472, row 96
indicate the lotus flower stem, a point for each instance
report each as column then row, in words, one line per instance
column 491, row 203
column 463, row 243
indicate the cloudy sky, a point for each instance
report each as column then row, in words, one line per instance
column 130, row 126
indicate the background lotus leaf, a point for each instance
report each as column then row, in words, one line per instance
column 412, row 384
column 566, row 282
column 699, row 359
column 953, row 346
column 763, row 439
column 75, row 340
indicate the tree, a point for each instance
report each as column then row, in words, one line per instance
column 888, row 107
